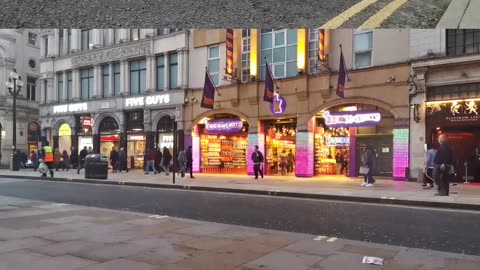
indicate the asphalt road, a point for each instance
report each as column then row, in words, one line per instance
column 434, row 229
column 208, row 13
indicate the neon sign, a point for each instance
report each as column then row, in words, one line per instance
column 337, row 141
column 352, row 119
column 148, row 101
column 223, row 126
column 79, row 107
column 279, row 105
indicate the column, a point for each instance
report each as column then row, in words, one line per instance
column 76, row 84
column 111, row 91
column 55, row 96
column 180, row 56
column 65, row 42
column 304, row 156
column 97, row 38
column 124, row 78
column 167, row 72
column 51, row 44
column 184, row 69
column 97, row 81
column 111, row 35
column 151, row 74
column 42, row 91
column 55, row 41
column 64, row 74
column 75, row 40
column 50, row 90
column 150, row 32
column 42, row 47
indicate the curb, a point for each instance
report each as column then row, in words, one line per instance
column 274, row 193
column 453, row 16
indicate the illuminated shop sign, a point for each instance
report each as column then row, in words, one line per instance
column 166, row 140
column 86, row 121
column 147, row 101
column 455, row 111
column 337, row 141
column 279, row 105
column 135, row 138
column 352, row 119
column 79, row 107
column 64, row 130
column 223, row 126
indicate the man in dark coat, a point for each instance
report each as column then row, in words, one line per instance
column 158, row 159
column 444, row 166
column 81, row 161
column 190, row 161
column 167, row 158
column 114, row 159
column 257, row 158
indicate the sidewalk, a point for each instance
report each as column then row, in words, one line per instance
column 324, row 187
column 461, row 14
column 42, row 235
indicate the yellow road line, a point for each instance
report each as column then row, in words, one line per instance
column 348, row 14
column 376, row 20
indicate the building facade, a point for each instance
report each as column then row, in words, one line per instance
column 444, row 97
column 20, row 50
column 307, row 118
column 113, row 88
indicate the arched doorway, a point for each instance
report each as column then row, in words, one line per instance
column 64, row 138
column 109, row 132
column 164, row 133
column 220, row 144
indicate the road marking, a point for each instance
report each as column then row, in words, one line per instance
column 319, row 238
column 348, row 14
column 331, row 240
column 376, row 20
column 157, row 216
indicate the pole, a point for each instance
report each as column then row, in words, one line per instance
column 174, row 149
column 14, row 128
column 466, row 173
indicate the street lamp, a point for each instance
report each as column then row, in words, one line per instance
column 14, row 85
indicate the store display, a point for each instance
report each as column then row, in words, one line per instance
column 223, row 154
column 327, row 145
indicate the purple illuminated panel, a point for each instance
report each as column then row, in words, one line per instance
column 352, row 119
column 304, row 163
column 400, row 152
column 255, row 138
column 196, row 149
column 223, row 126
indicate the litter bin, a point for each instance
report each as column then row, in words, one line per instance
column 96, row 166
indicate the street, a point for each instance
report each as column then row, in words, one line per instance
column 434, row 229
column 221, row 14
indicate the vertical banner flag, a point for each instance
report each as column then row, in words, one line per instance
column 321, row 45
column 208, row 98
column 342, row 75
column 229, row 66
column 268, row 96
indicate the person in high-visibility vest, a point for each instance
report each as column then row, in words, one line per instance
column 48, row 158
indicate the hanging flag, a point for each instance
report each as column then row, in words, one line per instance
column 229, row 56
column 342, row 75
column 321, row 45
column 208, row 98
column 268, row 96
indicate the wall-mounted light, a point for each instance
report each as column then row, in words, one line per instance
column 194, row 100
column 253, row 78
column 300, row 71
column 416, row 112
column 187, row 100
column 391, row 79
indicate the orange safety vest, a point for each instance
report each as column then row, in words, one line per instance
column 48, row 154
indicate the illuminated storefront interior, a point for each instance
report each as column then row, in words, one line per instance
column 280, row 139
column 109, row 136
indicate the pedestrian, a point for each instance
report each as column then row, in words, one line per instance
column 42, row 167
column 90, row 150
column 74, row 158
column 122, row 157
column 339, row 162
column 57, row 159
column 428, row 179
column 444, row 166
column 48, row 159
column 66, row 161
column 290, row 161
column 345, row 163
column 150, row 157
column 283, row 162
column 114, row 159
column 81, row 159
column 158, row 160
column 34, row 160
column 368, row 160
column 167, row 157
column 182, row 162
column 189, row 166
column 257, row 158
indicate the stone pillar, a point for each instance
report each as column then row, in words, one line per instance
column 43, row 44
column 64, row 74
column 42, row 91
column 180, row 56
column 56, row 96
column 124, row 78
column 97, row 38
column 56, row 40
column 76, row 84
column 51, row 90
column 65, row 42
column 76, row 41
column 150, row 84
column 183, row 71
column 111, row 36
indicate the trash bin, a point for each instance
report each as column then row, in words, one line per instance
column 96, row 166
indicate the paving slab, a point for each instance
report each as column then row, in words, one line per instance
column 165, row 253
column 283, row 260
column 64, row 248
column 120, row 264
column 109, row 252
column 17, row 244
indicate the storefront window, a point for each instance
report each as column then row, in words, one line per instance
column 135, row 139
column 280, row 145
column 109, row 136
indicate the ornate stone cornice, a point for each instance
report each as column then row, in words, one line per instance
column 113, row 54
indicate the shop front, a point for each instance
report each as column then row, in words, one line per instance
column 280, row 141
column 223, row 144
column 164, row 134
column 109, row 136
column 136, row 139
column 33, row 136
column 84, row 131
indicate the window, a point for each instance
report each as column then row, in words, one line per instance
column 31, row 88
column 363, row 47
column 279, row 47
column 86, row 83
column 160, row 72
column 173, row 70
column 116, row 36
column 87, row 38
column 69, row 85
column 313, row 61
column 46, row 47
column 166, row 31
column 214, row 63
column 60, row 43
column 245, row 55
column 106, row 80
column 463, row 41
column 45, row 91
column 138, row 79
column 116, row 79
column 134, row 34
column 32, row 39
column 106, row 37
column 60, row 96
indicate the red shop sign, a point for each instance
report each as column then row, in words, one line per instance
column 87, row 122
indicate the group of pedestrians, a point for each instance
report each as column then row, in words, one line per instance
column 439, row 167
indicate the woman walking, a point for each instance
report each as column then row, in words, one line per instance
column 66, row 161
column 182, row 162
column 167, row 157
column 57, row 159
column 368, row 160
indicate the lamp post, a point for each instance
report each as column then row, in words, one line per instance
column 174, row 126
column 14, row 85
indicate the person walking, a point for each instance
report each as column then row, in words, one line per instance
column 150, row 157
column 257, row 158
column 182, row 162
column 428, row 179
column 66, row 161
column 34, row 159
column 368, row 160
column 167, row 158
column 189, row 167
column 57, row 159
column 444, row 166
column 74, row 158
column 158, row 159
column 339, row 162
column 81, row 159
column 122, row 157
column 114, row 159
column 90, row 150
column 346, row 157
column 290, row 161
column 283, row 162
column 48, row 159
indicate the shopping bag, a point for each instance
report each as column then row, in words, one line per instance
column 364, row 170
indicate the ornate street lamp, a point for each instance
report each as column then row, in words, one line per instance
column 14, row 85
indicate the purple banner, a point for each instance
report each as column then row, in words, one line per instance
column 223, row 126
column 352, row 119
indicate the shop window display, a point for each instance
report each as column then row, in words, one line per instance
column 332, row 151
column 224, row 153
column 280, row 141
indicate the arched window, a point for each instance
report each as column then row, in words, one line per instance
column 108, row 126
column 165, row 125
